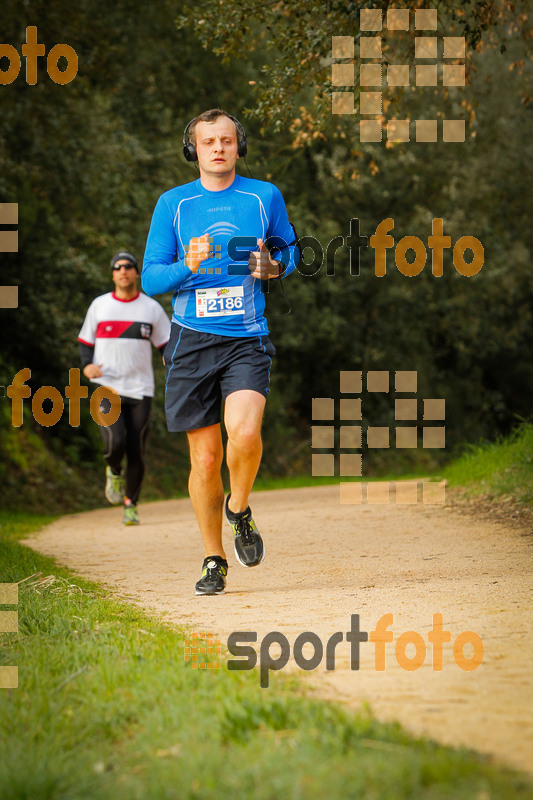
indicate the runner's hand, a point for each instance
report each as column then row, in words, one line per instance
column 93, row 371
column 261, row 264
column 200, row 249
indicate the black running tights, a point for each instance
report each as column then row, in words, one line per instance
column 127, row 436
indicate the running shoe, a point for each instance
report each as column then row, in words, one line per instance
column 131, row 515
column 249, row 547
column 114, row 487
column 213, row 580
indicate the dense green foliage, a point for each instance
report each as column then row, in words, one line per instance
column 107, row 707
column 86, row 162
column 291, row 41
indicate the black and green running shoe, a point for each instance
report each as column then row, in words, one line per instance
column 130, row 515
column 213, row 580
column 249, row 547
column 114, row 487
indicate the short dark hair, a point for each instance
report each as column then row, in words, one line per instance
column 211, row 116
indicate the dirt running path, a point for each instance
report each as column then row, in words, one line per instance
column 326, row 561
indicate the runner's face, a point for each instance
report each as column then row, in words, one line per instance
column 126, row 277
column 216, row 145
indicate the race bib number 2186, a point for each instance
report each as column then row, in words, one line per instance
column 220, row 302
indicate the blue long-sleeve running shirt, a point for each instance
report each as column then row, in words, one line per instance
column 222, row 297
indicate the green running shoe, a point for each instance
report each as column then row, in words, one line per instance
column 131, row 515
column 213, row 580
column 247, row 541
column 114, row 487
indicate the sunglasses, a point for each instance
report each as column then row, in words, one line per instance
column 118, row 267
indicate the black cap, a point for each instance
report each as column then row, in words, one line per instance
column 124, row 256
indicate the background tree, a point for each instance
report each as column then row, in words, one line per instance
column 86, row 162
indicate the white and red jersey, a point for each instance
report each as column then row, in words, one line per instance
column 122, row 332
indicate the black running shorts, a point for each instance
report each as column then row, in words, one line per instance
column 204, row 368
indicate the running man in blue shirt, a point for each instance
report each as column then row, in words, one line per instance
column 214, row 242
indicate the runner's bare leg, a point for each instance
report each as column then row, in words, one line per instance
column 205, row 485
column 242, row 417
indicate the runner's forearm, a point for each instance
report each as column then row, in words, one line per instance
column 158, row 278
column 86, row 354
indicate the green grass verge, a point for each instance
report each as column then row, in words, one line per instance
column 107, row 708
column 495, row 469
